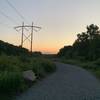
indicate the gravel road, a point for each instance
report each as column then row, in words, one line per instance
column 67, row 83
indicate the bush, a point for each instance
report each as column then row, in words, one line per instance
column 10, row 81
column 42, row 67
column 24, row 59
column 38, row 69
column 97, row 73
column 9, row 63
column 48, row 66
column 11, row 68
column 97, row 62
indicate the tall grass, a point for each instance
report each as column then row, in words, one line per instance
column 11, row 68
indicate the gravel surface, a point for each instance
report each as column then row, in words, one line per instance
column 67, row 83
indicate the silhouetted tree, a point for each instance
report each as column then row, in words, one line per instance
column 65, row 52
column 86, row 46
column 10, row 49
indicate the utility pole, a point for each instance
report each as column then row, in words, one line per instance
column 31, row 36
column 30, row 29
column 22, row 34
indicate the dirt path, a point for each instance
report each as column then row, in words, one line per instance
column 67, row 83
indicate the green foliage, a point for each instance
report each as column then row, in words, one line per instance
column 36, row 53
column 48, row 66
column 13, row 61
column 97, row 62
column 10, row 49
column 11, row 68
column 42, row 67
column 8, row 63
column 89, row 66
column 86, row 46
column 89, row 41
column 97, row 73
column 37, row 68
column 66, row 52
column 10, row 81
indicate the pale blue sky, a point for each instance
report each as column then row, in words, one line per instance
column 60, row 20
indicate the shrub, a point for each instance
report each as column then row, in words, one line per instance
column 97, row 62
column 42, row 66
column 11, row 68
column 24, row 59
column 10, row 81
column 8, row 63
column 97, row 73
column 48, row 66
column 38, row 69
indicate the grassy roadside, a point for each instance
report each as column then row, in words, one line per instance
column 92, row 66
column 11, row 68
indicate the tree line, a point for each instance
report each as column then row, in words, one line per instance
column 9, row 49
column 85, row 47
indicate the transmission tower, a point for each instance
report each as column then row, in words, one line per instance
column 30, row 29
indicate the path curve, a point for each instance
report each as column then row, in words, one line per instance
column 67, row 83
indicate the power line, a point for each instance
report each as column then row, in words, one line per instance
column 21, row 16
column 24, row 27
column 30, row 36
column 12, row 6
column 23, row 34
column 8, row 17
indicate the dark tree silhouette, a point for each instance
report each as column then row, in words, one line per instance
column 86, row 46
column 10, row 49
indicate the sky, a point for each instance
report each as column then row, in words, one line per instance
column 60, row 20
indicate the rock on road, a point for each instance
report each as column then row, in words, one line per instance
column 67, row 83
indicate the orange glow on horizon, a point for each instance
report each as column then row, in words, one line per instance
column 44, row 48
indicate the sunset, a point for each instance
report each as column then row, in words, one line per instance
column 60, row 20
column 49, row 49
